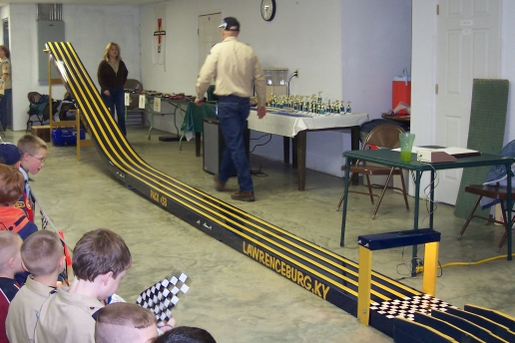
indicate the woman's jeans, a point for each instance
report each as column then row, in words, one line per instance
column 116, row 101
column 232, row 113
column 5, row 107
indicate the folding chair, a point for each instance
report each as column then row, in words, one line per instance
column 38, row 103
column 133, row 87
column 496, row 192
column 493, row 189
column 382, row 136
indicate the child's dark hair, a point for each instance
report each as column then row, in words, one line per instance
column 185, row 334
column 99, row 252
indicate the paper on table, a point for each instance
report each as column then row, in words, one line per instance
column 453, row 151
column 457, row 152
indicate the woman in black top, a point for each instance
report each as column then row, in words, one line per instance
column 112, row 74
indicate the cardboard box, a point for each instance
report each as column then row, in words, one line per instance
column 42, row 132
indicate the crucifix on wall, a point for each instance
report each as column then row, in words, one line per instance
column 159, row 36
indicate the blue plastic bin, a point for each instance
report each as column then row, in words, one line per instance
column 66, row 136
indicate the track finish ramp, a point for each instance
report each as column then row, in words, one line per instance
column 328, row 275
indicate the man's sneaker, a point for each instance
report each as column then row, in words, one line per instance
column 219, row 185
column 243, row 196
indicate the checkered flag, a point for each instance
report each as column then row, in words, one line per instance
column 406, row 308
column 163, row 296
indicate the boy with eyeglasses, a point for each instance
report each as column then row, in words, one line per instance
column 34, row 153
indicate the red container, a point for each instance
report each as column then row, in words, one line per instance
column 401, row 92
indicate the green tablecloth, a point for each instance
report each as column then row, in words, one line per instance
column 194, row 115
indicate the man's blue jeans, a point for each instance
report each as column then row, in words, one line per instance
column 117, row 102
column 232, row 113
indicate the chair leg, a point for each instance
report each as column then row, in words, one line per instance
column 507, row 230
column 470, row 217
column 340, row 202
column 382, row 193
column 404, row 193
column 370, row 189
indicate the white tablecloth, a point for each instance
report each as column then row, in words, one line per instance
column 290, row 125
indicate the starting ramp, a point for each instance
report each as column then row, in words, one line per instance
column 330, row 276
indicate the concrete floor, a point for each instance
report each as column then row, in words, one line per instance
column 233, row 297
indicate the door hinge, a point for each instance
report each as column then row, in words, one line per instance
column 436, row 88
column 437, row 9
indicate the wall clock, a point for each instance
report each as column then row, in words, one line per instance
column 268, row 9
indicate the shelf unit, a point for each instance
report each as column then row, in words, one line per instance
column 65, row 123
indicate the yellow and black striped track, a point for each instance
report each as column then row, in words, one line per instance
column 318, row 270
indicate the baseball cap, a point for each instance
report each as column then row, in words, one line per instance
column 9, row 153
column 230, row 22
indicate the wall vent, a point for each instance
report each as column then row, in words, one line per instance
column 50, row 12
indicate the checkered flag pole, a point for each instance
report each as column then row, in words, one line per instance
column 164, row 295
column 45, row 220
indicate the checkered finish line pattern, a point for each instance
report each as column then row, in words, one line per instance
column 407, row 307
column 163, row 296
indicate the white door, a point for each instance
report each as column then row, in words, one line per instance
column 468, row 48
column 208, row 34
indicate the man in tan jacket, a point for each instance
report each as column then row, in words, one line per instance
column 235, row 67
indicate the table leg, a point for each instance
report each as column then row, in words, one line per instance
column 197, row 144
column 345, row 198
column 150, row 120
column 301, row 159
column 175, row 120
column 355, row 133
column 418, row 176
column 295, row 151
column 286, row 150
column 182, row 111
column 432, row 200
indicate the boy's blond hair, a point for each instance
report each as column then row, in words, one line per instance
column 116, row 321
column 31, row 144
column 11, row 185
column 9, row 246
column 42, row 252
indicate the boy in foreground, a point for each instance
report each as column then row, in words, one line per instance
column 124, row 322
column 10, row 264
column 100, row 260
column 42, row 255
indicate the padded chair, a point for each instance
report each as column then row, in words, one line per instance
column 134, row 86
column 38, row 103
column 382, row 136
column 496, row 192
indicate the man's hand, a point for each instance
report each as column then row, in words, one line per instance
column 199, row 102
column 261, row 111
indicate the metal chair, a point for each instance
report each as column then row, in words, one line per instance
column 496, row 192
column 133, row 87
column 382, row 136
